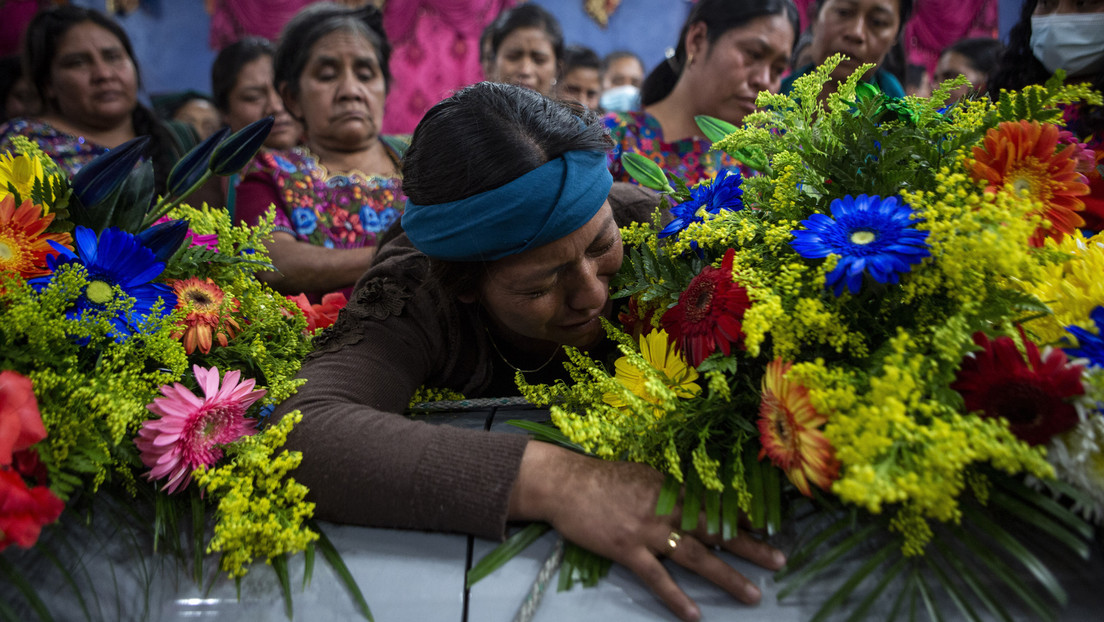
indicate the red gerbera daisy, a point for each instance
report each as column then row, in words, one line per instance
column 1026, row 155
column 1033, row 395
column 708, row 314
column 208, row 317
column 635, row 320
column 320, row 315
column 789, row 431
column 23, row 241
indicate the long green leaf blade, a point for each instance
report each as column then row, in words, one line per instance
column 279, row 565
column 506, row 551
column 333, row 558
column 20, row 582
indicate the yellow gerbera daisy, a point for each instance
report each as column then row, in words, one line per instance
column 19, row 172
column 676, row 374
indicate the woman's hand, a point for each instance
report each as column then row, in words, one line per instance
column 609, row 508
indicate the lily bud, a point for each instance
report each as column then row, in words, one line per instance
column 101, row 177
column 236, row 151
column 191, row 168
column 164, row 239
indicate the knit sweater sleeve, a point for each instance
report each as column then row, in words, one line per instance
column 365, row 463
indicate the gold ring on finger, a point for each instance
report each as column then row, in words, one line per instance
column 673, row 540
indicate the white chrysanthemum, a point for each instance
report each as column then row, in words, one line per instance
column 1078, row 459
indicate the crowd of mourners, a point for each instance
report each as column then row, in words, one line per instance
column 483, row 242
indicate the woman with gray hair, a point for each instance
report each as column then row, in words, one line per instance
column 338, row 192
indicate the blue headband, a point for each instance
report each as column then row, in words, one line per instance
column 541, row 206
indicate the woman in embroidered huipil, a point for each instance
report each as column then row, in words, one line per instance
column 335, row 195
column 727, row 53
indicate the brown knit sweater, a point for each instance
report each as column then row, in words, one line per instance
column 365, row 463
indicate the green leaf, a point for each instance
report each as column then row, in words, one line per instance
column 922, row 586
column 646, row 172
column 853, row 582
column 754, row 473
column 68, row 576
column 712, row 511
column 668, row 496
column 772, row 489
column 506, row 551
column 966, row 574
column 546, row 433
column 199, row 528
column 872, row 596
column 279, row 566
column 828, row 559
column 1041, row 522
column 691, row 500
column 730, row 503
column 333, row 558
column 17, row 579
column 796, row 561
column 998, row 568
column 951, row 587
column 1015, row 548
column 308, row 565
column 714, row 129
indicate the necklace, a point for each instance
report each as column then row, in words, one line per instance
column 511, row 365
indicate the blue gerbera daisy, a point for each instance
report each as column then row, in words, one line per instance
column 871, row 235
column 723, row 192
column 117, row 258
column 1090, row 346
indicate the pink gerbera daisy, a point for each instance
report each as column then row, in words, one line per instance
column 191, row 429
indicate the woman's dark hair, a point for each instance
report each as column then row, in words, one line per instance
column 40, row 43
column 483, row 137
column 316, row 21
column 983, row 53
column 228, row 64
column 719, row 17
column 528, row 15
column 617, row 55
column 580, row 56
column 11, row 70
column 1018, row 66
column 904, row 9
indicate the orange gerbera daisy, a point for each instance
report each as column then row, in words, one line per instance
column 1025, row 155
column 207, row 308
column 789, row 431
column 24, row 245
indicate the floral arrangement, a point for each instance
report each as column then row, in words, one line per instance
column 141, row 356
column 897, row 320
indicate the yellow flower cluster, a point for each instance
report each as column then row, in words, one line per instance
column 898, row 446
column 261, row 510
column 1072, row 289
column 977, row 240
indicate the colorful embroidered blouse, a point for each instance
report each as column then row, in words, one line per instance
column 334, row 211
column 689, row 159
column 70, row 152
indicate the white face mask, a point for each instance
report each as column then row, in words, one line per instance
column 1074, row 42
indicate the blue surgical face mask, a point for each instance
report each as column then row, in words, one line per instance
column 621, row 99
column 1074, row 42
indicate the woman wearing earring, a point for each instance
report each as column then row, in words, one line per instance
column 727, row 53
